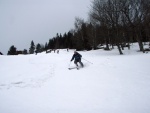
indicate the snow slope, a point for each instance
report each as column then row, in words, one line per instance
column 43, row 84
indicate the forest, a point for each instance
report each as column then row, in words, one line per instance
column 111, row 23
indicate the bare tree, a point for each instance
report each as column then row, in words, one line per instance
column 136, row 12
column 107, row 14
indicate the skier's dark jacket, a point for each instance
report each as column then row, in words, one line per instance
column 76, row 56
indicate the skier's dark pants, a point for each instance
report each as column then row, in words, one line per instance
column 76, row 61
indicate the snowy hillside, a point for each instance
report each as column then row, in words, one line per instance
column 43, row 84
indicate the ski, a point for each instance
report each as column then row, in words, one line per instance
column 73, row 68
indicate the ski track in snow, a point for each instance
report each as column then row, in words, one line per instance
column 31, row 81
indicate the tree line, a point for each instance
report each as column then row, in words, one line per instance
column 122, row 21
column 111, row 23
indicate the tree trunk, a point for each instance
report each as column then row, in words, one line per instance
column 140, row 44
column 119, row 48
column 107, row 44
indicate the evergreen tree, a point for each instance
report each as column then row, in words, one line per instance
column 32, row 48
column 1, row 53
column 25, row 52
column 69, row 41
column 12, row 50
column 46, row 47
column 57, row 44
column 42, row 48
column 38, row 48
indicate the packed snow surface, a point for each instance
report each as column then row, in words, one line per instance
column 108, row 83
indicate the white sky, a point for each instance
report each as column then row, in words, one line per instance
column 22, row 21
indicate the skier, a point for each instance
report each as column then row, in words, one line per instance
column 77, row 58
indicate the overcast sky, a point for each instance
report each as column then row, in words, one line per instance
column 22, row 21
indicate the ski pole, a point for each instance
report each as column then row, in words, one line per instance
column 87, row 60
